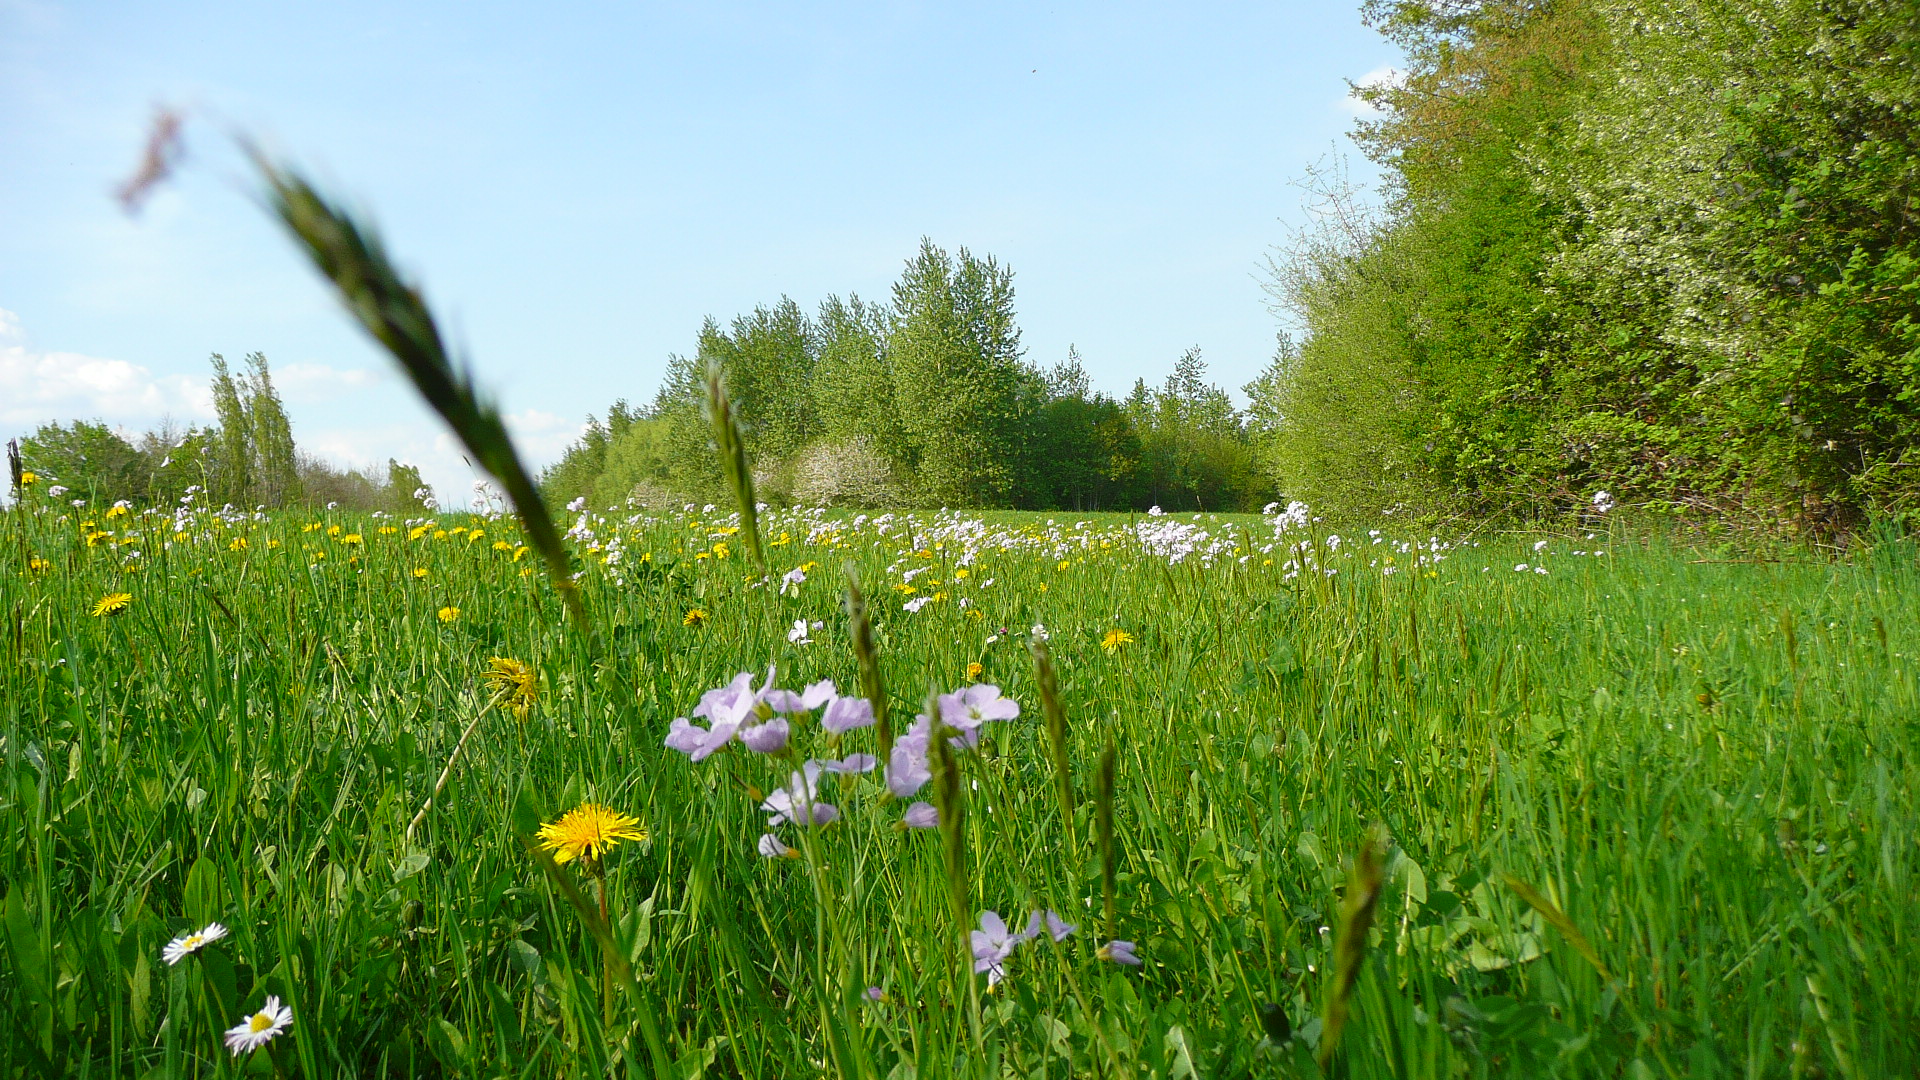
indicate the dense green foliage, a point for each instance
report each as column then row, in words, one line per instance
column 247, row 458
column 1666, row 249
column 926, row 400
column 1709, row 766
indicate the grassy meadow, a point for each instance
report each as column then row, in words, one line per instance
column 1379, row 805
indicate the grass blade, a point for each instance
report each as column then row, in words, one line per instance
column 350, row 255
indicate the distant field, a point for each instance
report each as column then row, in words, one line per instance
column 1650, row 812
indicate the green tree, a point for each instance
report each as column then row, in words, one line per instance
column 962, row 390
column 273, row 457
column 231, row 473
column 853, row 385
column 91, row 460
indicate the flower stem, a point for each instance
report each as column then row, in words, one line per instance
column 440, row 784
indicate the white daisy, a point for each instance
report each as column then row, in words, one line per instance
column 260, row 1028
column 187, row 944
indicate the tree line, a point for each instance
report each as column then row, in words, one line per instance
column 926, row 399
column 246, row 458
column 1664, row 248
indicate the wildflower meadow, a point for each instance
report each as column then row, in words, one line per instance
column 331, row 795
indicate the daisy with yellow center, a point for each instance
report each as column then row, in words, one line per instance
column 448, row 614
column 187, row 944
column 259, row 1029
column 515, row 683
column 112, row 604
column 1115, row 639
column 588, row 830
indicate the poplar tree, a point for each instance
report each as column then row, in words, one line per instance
column 231, row 478
column 963, row 392
column 275, row 461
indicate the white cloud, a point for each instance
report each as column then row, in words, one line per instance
column 60, row 386
column 541, row 437
column 307, row 384
column 1354, row 106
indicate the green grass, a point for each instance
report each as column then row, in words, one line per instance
column 1702, row 773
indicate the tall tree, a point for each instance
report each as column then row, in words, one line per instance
column 232, row 474
column 853, row 384
column 961, row 386
column 274, row 459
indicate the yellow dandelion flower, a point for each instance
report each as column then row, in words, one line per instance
column 976, row 614
column 118, row 509
column 333, row 530
column 588, row 830
column 695, row 617
column 1043, row 586
column 28, row 479
column 1115, row 639
column 721, row 550
column 458, row 530
column 515, row 682
column 1064, row 563
column 903, row 589
column 112, row 604
column 449, row 613
column 352, row 538
column 37, row 564
column 502, row 545
column 939, row 596
column 387, row 530
column 974, row 669
column 519, row 552
column 439, row 534
column 238, row 543
column 271, row 544
column 419, row 571
column 418, row 531
column 961, row 574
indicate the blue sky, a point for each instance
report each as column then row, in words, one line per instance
column 578, row 185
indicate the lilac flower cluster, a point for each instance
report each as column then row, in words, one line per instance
column 759, row 718
column 994, row 942
column 762, row 719
column 964, row 711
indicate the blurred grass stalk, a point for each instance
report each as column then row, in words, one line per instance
column 732, row 448
column 860, row 629
column 1056, row 719
column 1350, row 943
column 351, row 256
